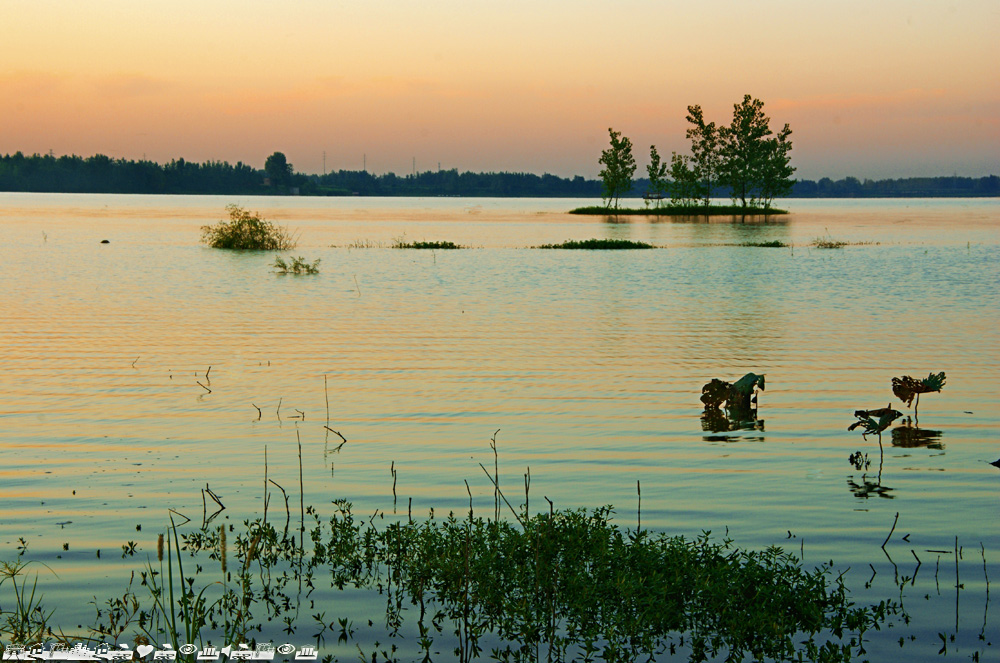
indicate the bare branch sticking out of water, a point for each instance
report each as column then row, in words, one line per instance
column 133, row 363
column 891, row 531
column 338, row 435
column 259, row 413
column 203, row 386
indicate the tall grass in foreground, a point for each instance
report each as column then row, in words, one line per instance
column 563, row 585
column 247, row 231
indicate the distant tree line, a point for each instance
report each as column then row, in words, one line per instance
column 102, row 174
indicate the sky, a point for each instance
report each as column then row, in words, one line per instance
column 870, row 89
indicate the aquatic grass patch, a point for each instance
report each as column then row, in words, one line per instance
column 827, row 243
column 599, row 245
column 772, row 244
column 27, row 620
column 247, row 231
column 401, row 243
column 563, row 585
column 297, row 265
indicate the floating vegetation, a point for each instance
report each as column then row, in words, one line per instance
column 297, row 265
column 247, row 231
column 827, row 243
column 401, row 243
column 365, row 244
column 772, row 244
column 599, row 244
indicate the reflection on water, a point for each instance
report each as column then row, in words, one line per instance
column 908, row 435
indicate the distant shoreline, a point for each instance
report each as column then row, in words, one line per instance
column 102, row 174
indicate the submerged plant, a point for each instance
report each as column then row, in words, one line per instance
column 247, row 231
column 297, row 265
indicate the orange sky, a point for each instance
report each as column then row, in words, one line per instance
column 883, row 89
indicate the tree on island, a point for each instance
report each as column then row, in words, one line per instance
column 657, row 172
column 619, row 166
column 706, row 157
column 755, row 165
column 684, row 187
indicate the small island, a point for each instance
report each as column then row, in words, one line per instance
column 679, row 210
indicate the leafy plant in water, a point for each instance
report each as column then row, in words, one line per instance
column 297, row 265
column 247, row 231
column 907, row 388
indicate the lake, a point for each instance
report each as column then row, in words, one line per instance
column 137, row 372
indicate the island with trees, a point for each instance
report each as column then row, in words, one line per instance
column 746, row 158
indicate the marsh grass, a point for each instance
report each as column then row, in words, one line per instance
column 563, row 585
column 248, row 231
column 828, row 243
column 599, row 245
column 772, row 244
column 401, row 243
column 28, row 620
column 297, row 265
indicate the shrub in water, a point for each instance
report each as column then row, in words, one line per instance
column 297, row 266
column 247, row 230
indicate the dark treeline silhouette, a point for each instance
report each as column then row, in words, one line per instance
column 910, row 187
column 102, row 174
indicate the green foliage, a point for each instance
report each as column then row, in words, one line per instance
column 247, row 231
column 657, row 172
column 27, row 621
column 569, row 582
column 706, row 155
column 278, row 170
column 297, row 265
column 401, row 243
column 771, row 244
column 753, row 164
column 828, row 243
column 685, row 189
column 619, row 167
column 598, row 244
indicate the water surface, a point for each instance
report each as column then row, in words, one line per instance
column 589, row 364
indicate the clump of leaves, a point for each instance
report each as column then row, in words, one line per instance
column 599, row 244
column 828, row 243
column 247, row 230
column 297, row 265
column 907, row 388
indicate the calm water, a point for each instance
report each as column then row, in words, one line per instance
column 590, row 364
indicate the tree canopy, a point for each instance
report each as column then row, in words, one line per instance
column 619, row 167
